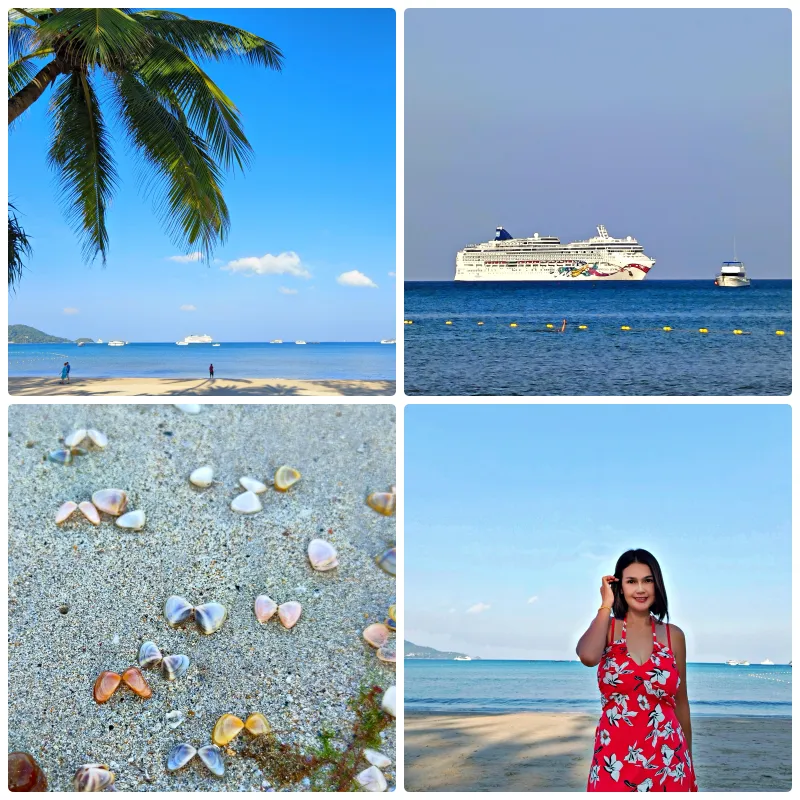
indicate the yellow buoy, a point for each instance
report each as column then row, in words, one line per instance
column 549, row 324
column 513, row 325
column 625, row 328
column 702, row 330
column 666, row 328
column 448, row 322
column 582, row 327
column 737, row 331
column 780, row 333
column 480, row 323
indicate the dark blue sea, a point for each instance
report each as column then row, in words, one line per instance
column 364, row 361
column 505, row 686
column 465, row 358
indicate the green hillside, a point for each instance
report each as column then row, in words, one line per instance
column 412, row 650
column 24, row 334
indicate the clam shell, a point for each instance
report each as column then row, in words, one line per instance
column 387, row 561
column 389, row 702
column 133, row 678
column 174, row 666
column 105, row 686
column 289, row 613
column 93, row 778
column 211, row 756
column 265, row 608
column 133, row 520
column 175, row 718
column 60, row 456
column 98, row 439
column 90, row 512
column 149, row 655
column 252, row 485
column 391, row 622
column 257, row 725
column 227, row 728
column 285, row 478
column 65, row 511
column 177, row 611
column 246, row 503
column 376, row 634
column 111, row 501
column 388, row 652
column 383, row 502
column 210, row 617
column 189, row 408
column 202, row 477
column 322, row 555
column 372, row 780
column 180, row 756
column 377, row 759
column 75, row 438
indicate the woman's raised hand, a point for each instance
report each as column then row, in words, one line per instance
column 606, row 592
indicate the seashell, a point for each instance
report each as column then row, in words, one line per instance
column 388, row 652
column 65, row 511
column 376, row 634
column 177, row 611
column 90, row 512
column 149, row 655
column 391, row 622
column 133, row 678
column 389, row 702
column 322, row 555
column 210, row 617
column 372, row 780
column 189, row 408
column 226, row 730
column 174, row 666
column 24, row 774
column 289, row 613
column 382, row 502
column 60, row 456
column 174, row 719
column 79, row 451
column 285, row 478
column 98, row 439
column 133, row 520
column 105, row 685
column 211, row 756
column 180, row 756
column 257, row 725
column 111, row 501
column 377, row 759
column 388, row 561
column 93, row 778
column 252, row 485
column 265, row 608
column 75, row 438
column 202, row 477
column 246, row 503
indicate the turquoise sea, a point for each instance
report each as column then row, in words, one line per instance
column 506, row 686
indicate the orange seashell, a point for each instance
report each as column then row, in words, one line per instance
column 24, row 774
column 383, row 502
column 257, row 725
column 376, row 634
column 286, row 477
column 105, row 685
column 226, row 730
column 133, row 678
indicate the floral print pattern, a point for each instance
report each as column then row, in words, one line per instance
column 639, row 745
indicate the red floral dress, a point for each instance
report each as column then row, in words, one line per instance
column 639, row 745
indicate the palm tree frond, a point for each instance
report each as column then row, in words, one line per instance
column 20, row 74
column 81, row 155
column 159, row 13
column 21, row 38
column 35, row 15
column 19, row 248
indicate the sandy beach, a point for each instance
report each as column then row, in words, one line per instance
column 83, row 598
column 202, row 387
column 551, row 752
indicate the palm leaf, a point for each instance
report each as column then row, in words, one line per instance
column 81, row 155
column 21, row 39
column 19, row 247
column 20, row 74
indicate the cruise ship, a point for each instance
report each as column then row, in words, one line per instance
column 545, row 258
column 197, row 338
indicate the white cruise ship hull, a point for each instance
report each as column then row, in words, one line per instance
column 578, row 271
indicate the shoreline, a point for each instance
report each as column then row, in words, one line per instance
column 543, row 751
column 202, row 387
column 410, row 712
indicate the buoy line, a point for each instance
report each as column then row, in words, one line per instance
column 550, row 327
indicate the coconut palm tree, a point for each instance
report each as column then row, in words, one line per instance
column 19, row 247
column 142, row 68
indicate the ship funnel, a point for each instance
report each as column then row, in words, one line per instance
column 501, row 234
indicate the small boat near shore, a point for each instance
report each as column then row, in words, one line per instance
column 732, row 274
column 117, row 343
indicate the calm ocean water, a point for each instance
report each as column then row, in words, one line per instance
column 495, row 359
column 330, row 360
column 506, row 686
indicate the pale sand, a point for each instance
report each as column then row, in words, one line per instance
column 202, row 387
column 535, row 751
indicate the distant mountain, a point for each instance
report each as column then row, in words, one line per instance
column 419, row 651
column 84, row 339
column 24, row 334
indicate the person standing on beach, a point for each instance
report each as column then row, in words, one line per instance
column 211, row 371
column 65, row 372
column 643, row 741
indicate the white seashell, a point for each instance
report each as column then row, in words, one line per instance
column 93, row 778
column 210, row 617
column 252, row 485
column 289, row 613
column 90, row 512
column 133, row 520
column 110, row 501
column 246, row 503
column 372, row 780
column 180, row 756
column 202, row 477
column 389, row 702
column 265, row 608
column 149, row 655
column 177, row 610
column 377, row 759
column 211, row 756
column 98, row 439
column 322, row 555
column 75, row 438
column 176, row 718
column 65, row 511
column 174, row 666
column 189, row 408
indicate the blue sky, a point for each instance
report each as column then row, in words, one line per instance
column 514, row 513
column 672, row 126
column 322, row 187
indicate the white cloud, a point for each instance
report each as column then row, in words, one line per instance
column 283, row 264
column 355, row 278
column 478, row 608
column 72, row 311
column 284, row 290
column 391, row 274
column 533, row 599
column 187, row 259
column 188, row 308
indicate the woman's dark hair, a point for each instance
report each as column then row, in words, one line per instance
column 659, row 609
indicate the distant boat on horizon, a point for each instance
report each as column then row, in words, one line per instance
column 197, row 338
column 300, row 342
column 388, row 341
column 277, row 341
column 767, row 663
column 117, row 343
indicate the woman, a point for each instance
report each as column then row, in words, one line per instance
column 644, row 738
column 65, row 372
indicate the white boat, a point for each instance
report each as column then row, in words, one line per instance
column 462, row 658
column 732, row 274
column 744, row 663
column 116, row 343
column 545, row 258
column 299, row 342
column 197, row 338
column 215, row 345
column 388, row 341
column 183, row 343
column 99, row 341
column 277, row 341
column 767, row 663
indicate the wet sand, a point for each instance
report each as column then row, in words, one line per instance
column 218, row 387
column 538, row 752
